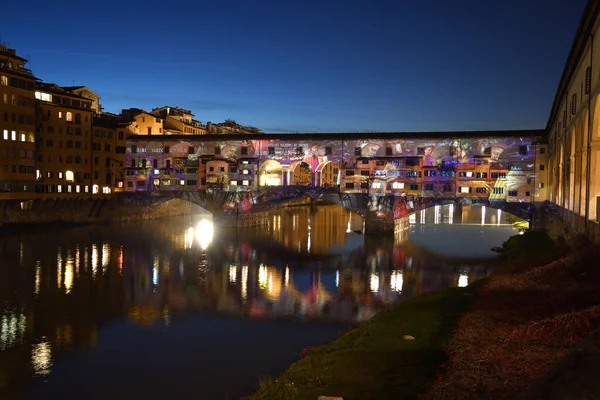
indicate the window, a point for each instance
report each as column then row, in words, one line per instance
column 191, row 150
column 420, row 151
column 245, row 172
column 527, row 194
column 464, row 189
column 398, row 185
column 299, row 151
column 192, row 182
column 134, row 149
column 271, row 150
column 350, row 173
column 414, row 187
column 68, row 176
column 166, row 151
column 377, row 185
column 357, row 151
column 447, row 187
column 498, row 175
column 5, row 136
column 428, row 186
column 59, row 188
column 77, row 118
column 481, row 190
column 328, row 150
column 364, row 185
column 217, row 150
column 222, row 169
column 542, row 150
column 541, row 185
column 349, row 185
column 245, row 182
column 69, row 116
column 233, row 183
column 541, row 167
column 244, row 150
column 149, row 130
column 388, row 151
column 513, row 193
column 13, row 135
column 498, row 190
column 365, row 173
column 468, row 174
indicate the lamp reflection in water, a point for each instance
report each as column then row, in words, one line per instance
column 41, row 358
column 244, row 282
column 12, row 329
column 483, row 215
column 451, row 214
column 396, row 281
column 204, row 233
column 463, row 280
column 374, row 282
column 232, row 273
column 94, row 260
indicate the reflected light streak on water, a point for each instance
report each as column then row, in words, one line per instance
column 105, row 256
column 451, row 214
column 287, row 276
column 59, row 268
column 463, row 280
column 436, row 215
column 374, row 282
column 77, row 260
column 244, row 282
column 396, row 281
column 120, row 261
column 232, row 273
column 12, row 329
column 499, row 217
column 41, row 358
column 69, row 273
column 337, row 278
column 262, row 276
column 483, row 215
column 38, row 272
column 94, row 260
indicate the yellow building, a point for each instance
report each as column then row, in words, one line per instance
column 142, row 122
column 177, row 121
column 64, row 142
column 17, row 127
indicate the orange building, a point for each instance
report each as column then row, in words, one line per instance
column 17, row 127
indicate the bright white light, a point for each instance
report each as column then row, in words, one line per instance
column 499, row 217
column 105, row 256
column 69, row 176
column 412, row 218
column 69, row 275
column 94, row 260
column 204, row 233
column 436, row 219
column 244, row 282
column 262, row 276
column 232, row 273
column 463, row 280
column 59, row 274
column 396, row 281
column 423, row 216
column 37, row 277
column 374, row 283
column 156, row 172
column 95, row 189
column 287, row 275
column 451, row 214
column 483, row 215
column 41, row 358
column 337, row 278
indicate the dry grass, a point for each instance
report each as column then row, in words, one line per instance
column 524, row 320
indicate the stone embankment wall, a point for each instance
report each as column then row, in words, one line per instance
column 98, row 210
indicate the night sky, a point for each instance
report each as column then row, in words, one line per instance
column 309, row 66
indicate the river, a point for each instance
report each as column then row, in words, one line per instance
column 180, row 308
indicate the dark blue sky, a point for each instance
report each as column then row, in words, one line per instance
column 324, row 65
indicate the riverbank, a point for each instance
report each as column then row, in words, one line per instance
column 527, row 319
column 380, row 359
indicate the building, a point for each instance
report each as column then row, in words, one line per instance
column 177, row 121
column 17, row 127
column 573, row 129
column 229, row 126
column 86, row 92
column 64, row 152
column 108, row 158
column 142, row 122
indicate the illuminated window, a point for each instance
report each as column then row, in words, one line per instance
column 167, row 182
column 60, row 175
column 498, row 190
column 13, row 135
column 77, row 189
column 106, row 189
column 69, row 176
column 69, row 187
column 38, row 174
column 120, row 184
column 156, row 182
column 43, row 96
column 69, row 116
column 246, row 172
column 245, row 182
column 86, row 189
column 95, row 189
column 182, row 182
column 60, row 114
column 59, row 188
column 233, row 183
column 5, row 134
column 398, row 185
column 377, row 185
column 3, row 80
column 464, row 190
column 469, row 174
column 245, row 162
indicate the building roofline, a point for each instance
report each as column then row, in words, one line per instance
column 586, row 23
column 349, row 135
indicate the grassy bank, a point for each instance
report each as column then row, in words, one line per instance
column 527, row 317
column 375, row 360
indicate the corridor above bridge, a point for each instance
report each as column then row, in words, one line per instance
column 494, row 165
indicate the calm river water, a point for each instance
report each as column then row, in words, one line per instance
column 182, row 309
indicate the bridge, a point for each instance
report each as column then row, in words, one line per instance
column 383, row 214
